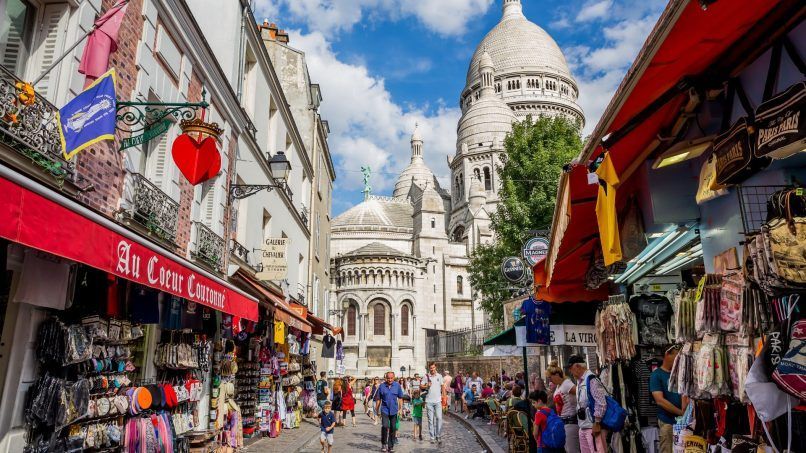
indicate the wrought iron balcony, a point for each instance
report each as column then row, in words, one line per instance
column 239, row 251
column 301, row 294
column 304, row 214
column 28, row 125
column 209, row 247
column 153, row 208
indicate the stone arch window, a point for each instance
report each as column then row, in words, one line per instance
column 389, row 277
column 488, row 182
column 351, row 319
column 458, row 234
column 518, row 82
column 433, row 222
column 497, row 87
column 477, row 173
column 460, row 285
column 457, row 186
column 478, row 95
column 379, row 319
column 404, row 320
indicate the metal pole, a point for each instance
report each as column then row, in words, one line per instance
column 526, row 388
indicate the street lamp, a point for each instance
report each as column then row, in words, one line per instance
column 279, row 168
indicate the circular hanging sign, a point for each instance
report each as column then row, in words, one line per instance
column 513, row 269
column 535, row 250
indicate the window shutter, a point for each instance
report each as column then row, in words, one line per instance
column 157, row 158
column 51, row 45
column 13, row 48
column 208, row 203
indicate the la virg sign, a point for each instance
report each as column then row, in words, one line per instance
column 535, row 250
column 513, row 269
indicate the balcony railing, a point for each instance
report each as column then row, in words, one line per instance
column 153, row 208
column 304, row 214
column 239, row 251
column 301, row 293
column 29, row 126
column 209, row 246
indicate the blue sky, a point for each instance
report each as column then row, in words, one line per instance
column 385, row 65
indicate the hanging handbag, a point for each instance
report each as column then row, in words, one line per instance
column 780, row 131
column 706, row 190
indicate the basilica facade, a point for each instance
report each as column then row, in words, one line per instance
column 399, row 263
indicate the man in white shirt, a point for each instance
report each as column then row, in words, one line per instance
column 435, row 384
column 475, row 380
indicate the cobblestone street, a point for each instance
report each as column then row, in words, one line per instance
column 366, row 437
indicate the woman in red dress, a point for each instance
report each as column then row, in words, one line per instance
column 348, row 401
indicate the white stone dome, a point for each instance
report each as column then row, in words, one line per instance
column 518, row 45
column 416, row 173
column 487, row 120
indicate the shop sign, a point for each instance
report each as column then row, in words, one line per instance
column 535, row 250
column 151, row 132
column 274, row 259
column 513, row 269
column 571, row 335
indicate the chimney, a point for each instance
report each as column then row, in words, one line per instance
column 282, row 37
column 268, row 31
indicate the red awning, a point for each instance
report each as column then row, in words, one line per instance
column 319, row 324
column 55, row 224
column 283, row 311
column 687, row 41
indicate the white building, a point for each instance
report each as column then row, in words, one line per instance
column 399, row 264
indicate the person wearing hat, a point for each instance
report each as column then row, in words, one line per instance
column 592, row 437
column 670, row 404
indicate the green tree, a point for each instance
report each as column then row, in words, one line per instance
column 535, row 152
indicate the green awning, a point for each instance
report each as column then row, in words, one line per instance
column 505, row 338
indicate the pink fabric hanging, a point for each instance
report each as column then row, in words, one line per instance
column 102, row 42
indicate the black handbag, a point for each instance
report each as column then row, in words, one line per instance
column 780, row 123
column 735, row 159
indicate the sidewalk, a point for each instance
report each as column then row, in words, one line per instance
column 486, row 433
column 290, row 440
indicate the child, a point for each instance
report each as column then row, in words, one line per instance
column 327, row 424
column 417, row 404
column 542, row 412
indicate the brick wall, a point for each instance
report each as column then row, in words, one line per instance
column 102, row 166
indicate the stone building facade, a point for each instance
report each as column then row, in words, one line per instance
column 399, row 263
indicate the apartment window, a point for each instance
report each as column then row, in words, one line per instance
column 16, row 27
column 271, row 145
column 460, row 285
column 208, row 203
column 317, row 234
column 351, row 315
column 249, row 81
column 379, row 319
column 404, row 320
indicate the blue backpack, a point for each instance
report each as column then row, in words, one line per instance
column 554, row 434
column 614, row 417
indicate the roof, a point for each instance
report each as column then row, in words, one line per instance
column 376, row 212
column 516, row 44
column 417, row 173
column 375, row 249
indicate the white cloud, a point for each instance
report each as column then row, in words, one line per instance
column 600, row 69
column 368, row 127
column 444, row 17
column 594, row 10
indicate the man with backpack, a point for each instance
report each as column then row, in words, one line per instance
column 549, row 429
column 321, row 385
column 592, row 435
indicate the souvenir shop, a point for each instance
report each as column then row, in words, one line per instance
column 276, row 371
column 688, row 210
column 111, row 345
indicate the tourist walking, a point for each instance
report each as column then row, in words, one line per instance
column 448, row 390
column 458, row 387
column 592, row 437
column 417, row 404
column 565, row 405
column 386, row 404
column 434, row 383
column 348, row 400
column 327, row 424
column 321, row 386
column 337, row 400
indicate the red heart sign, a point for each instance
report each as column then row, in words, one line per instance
column 199, row 162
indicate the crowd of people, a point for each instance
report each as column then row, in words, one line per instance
column 566, row 415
